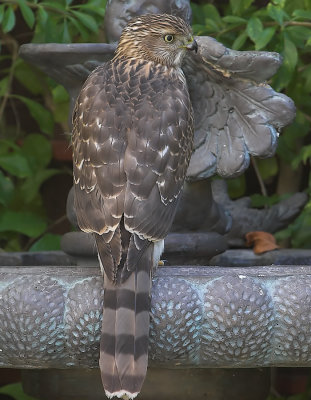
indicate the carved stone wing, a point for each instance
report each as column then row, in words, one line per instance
column 236, row 112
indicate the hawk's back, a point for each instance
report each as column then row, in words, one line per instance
column 132, row 140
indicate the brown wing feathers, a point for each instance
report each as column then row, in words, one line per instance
column 132, row 141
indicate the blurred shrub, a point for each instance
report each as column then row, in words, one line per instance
column 32, row 109
column 283, row 26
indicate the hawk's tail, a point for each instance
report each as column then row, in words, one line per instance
column 125, row 332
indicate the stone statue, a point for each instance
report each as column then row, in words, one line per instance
column 236, row 113
column 119, row 12
column 212, row 317
column 247, row 219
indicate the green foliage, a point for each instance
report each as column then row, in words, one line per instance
column 16, row 391
column 54, row 21
column 48, row 241
column 32, row 108
column 283, row 26
column 24, row 168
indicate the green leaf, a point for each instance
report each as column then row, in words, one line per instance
column 236, row 186
column 42, row 15
column 16, row 391
column 6, row 145
column 95, row 8
column 6, row 189
column 280, row 81
column 8, row 21
column 277, row 13
column 232, row 19
column 265, row 37
column 30, row 188
column 306, row 74
column 254, row 28
column 80, row 28
column 27, row 13
column 60, row 94
column 211, row 25
column 24, row 222
column 54, row 5
column 239, row 41
column 279, row 3
column 88, row 21
column 305, row 153
column 302, row 14
column 285, row 73
column 299, row 34
column 268, row 167
column 304, row 156
column 48, row 32
column 37, row 150
column 28, row 77
column 1, row 12
column 40, row 114
column 16, row 164
column 258, row 200
column 61, row 102
column 48, row 242
column 4, row 84
column 239, row 6
column 65, row 33
column 211, row 11
column 290, row 54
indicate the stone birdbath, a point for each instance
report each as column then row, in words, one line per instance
column 214, row 329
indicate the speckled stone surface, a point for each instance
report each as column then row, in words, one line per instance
column 207, row 317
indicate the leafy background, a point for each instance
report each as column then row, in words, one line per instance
column 33, row 113
column 34, row 109
column 283, row 26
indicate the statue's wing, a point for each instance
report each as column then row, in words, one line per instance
column 236, row 112
column 67, row 64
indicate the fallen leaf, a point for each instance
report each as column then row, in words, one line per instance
column 261, row 241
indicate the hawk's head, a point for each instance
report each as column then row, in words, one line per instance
column 161, row 38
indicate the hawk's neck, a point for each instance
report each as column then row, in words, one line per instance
column 139, row 66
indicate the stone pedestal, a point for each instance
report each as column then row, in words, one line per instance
column 212, row 326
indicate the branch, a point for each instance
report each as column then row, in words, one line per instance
column 48, row 229
column 266, row 24
column 261, row 182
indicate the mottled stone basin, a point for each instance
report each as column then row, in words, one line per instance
column 207, row 317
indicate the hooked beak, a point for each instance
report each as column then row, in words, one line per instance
column 192, row 46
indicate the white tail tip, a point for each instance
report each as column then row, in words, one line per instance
column 122, row 394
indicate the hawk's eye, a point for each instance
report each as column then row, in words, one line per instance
column 169, row 38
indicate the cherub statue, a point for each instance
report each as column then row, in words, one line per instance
column 237, row 114
column 119, row 12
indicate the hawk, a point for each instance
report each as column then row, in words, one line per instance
column 132, row 143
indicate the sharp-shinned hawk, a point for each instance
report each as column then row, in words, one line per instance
column 132, row 143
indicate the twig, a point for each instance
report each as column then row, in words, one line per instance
column 260, row 180
column 48, row 229
column 307, row 117
column 265, row 24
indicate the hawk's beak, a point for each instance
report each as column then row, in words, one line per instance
column 192, row 46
